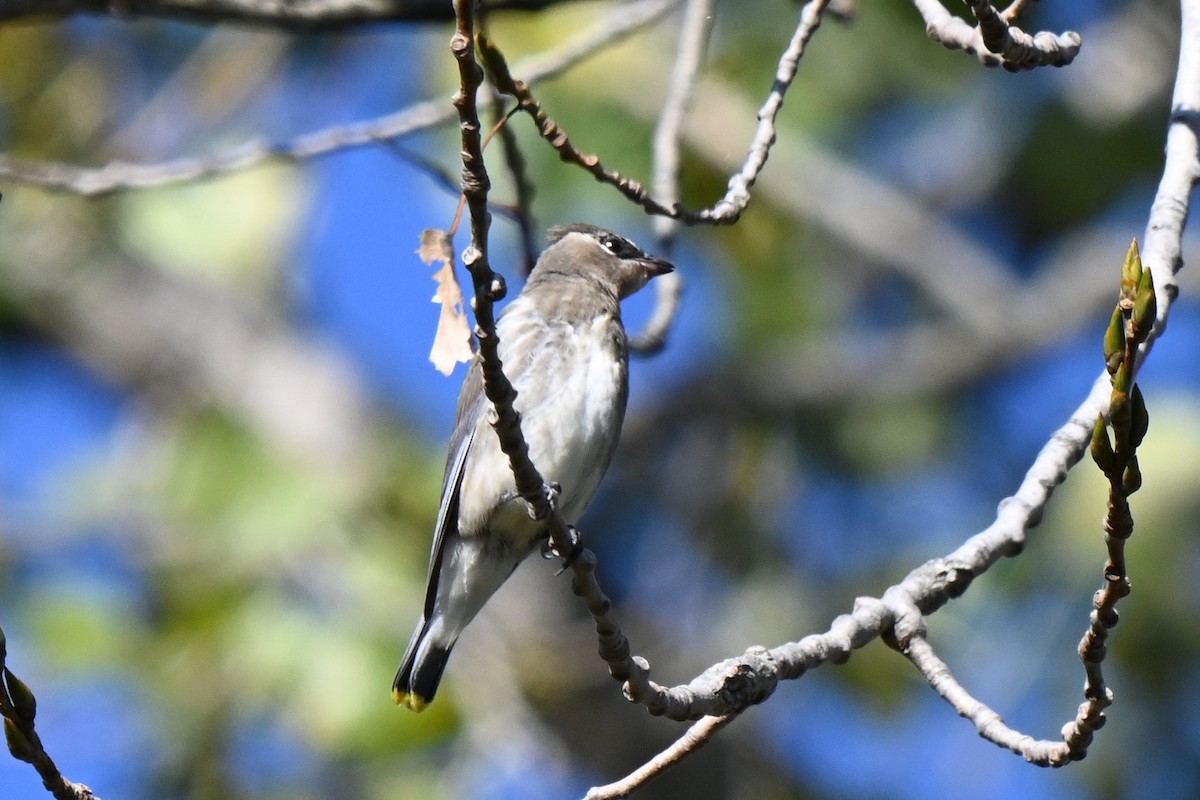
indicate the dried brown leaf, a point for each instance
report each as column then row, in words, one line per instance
column 452, row 342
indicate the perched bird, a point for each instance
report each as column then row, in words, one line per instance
column 564, row 349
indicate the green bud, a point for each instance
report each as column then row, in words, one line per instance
column 1118, row 417
column 18, row 744
column 1114, row 341
column 1131, row 272
column 1121, row 380
column 1102, row 451
column 1139, row 417
column 1131, row 481
column 23, row 700
column 1145, row 307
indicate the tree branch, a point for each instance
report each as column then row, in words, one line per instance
column 899, row 613
column 668, row 134
column 994, row 40
column 490, row 287
column 1117, row 458
column 696, row 737
column 117, row 175
column 297, row 15
column 726, row 210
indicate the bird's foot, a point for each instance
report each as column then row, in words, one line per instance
column 573, row 549
column 538, row 512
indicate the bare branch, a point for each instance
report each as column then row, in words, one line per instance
column 968, row 283
column 994, row 40
column 668, row 291
column 299, row 15
column 117, row 175
column 738, row 682
column 1163, row 240
column 490, row 287
column 729, row 208
column 1046, row 753
column 696, row 737
column 737, row 196
column 557, row 137
column 693, row 42
column 899, row 613
column 1117, row 458
column 522, row 211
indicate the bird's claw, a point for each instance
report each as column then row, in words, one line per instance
column 574, row 548
column 537, row 512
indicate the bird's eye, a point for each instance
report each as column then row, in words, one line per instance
column 621, row 248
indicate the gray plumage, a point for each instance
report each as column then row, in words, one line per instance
column 565, row 351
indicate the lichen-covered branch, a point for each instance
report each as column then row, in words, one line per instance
column 995, row 41
column 1116, row 457
column 991, row 725
column 899, row 613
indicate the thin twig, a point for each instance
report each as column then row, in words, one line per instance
column 693, row 42
column 696, row 737
column 118, row 175
column 1116, row 457
column 726, row 210
column 557, row 137
column 521, row 210
column 448, row 183
column 737, row 196
column 989, row 724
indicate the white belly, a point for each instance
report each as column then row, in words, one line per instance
column 571, row 419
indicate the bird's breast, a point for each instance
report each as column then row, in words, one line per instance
column 573, row 419
column 571, row 383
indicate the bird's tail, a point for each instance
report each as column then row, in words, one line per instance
column 420, row 670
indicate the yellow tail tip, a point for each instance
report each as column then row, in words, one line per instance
column 408, row 700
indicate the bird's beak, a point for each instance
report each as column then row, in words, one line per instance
column 637, row 272
column 656, row 266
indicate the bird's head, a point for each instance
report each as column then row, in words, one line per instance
column 600, row 254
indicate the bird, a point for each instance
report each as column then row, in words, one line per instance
column 564, row 349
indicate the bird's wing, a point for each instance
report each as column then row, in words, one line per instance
column 470, row 402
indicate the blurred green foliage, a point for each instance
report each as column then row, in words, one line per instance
column 274, row 591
